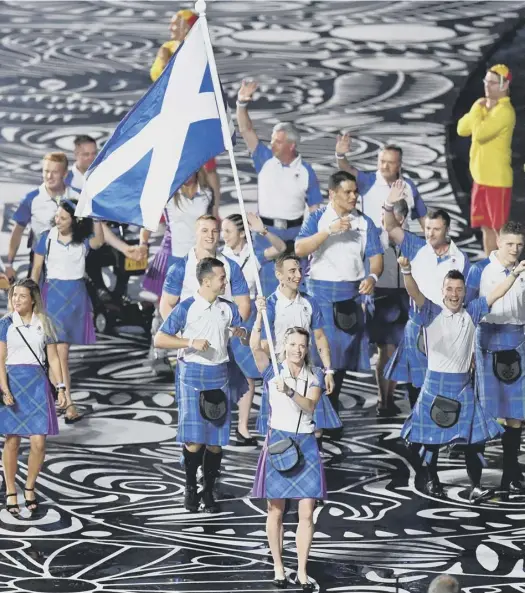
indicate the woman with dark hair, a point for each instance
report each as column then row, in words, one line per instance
column 293, row 396
column 64, row 249
column 236, row 248
column 27, row 338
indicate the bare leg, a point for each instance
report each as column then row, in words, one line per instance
column 304, row 536
column 37, row 454
column 63, row 355
column 489, row 240
column 274, row 532
column 245, row 404
column 10, row 461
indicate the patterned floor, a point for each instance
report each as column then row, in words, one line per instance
column 112, row 519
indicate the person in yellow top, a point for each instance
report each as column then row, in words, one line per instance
column 180, row 25
column 491, row 122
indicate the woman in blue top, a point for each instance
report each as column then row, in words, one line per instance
column 64, row 249
column 26, row 340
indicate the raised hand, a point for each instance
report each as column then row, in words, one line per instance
column 397, row 191
column 248, row 88
column 520, row 268
column 342, row 145
column 260, row 304
column 255, row 222
column 404, row 262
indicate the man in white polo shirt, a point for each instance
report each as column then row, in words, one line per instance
column 85, row 153
column 39, row 206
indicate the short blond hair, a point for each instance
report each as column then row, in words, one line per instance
column 57, row 157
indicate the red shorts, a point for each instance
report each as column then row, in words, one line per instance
column 490, row 206
column 211, row 165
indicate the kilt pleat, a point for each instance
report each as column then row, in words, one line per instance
column 34, row 410
column 380, row 329
column 408, row 363
column 243, row 354
column 69, row 307
column 307, row 481
column 475, row 424
column 238, row 385
column 348, row 352
column 500, row 399
column 192, row 427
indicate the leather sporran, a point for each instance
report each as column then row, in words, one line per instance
column 445, row 411
column 346, row 315
column 506, row 365
column 213, row 406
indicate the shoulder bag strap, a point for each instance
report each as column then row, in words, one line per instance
column 245, row 262
column 301, row 414
column 36, row 357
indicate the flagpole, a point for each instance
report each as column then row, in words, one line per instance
column 200, row 7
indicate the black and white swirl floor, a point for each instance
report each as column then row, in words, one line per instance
column 112, row 518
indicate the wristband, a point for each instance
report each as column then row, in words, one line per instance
column 242, row 103
column 60, row 386
column 339, row 156
column 374, row 276
column 290, row 393
column 388, row 207
column 406, row 271
column 329, row 371
column 264, row 232
column 190, row 343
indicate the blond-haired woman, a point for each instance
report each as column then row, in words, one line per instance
column 293, row 395
column 26, row 340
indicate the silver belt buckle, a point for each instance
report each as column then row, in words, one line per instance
column 280, row 223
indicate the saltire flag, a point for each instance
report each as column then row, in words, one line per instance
column 168, row 135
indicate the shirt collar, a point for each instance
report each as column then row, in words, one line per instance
column 201, row 303
column 44, row 192
column 501, row 268
column 17, row 320
column 242, row 255
column 302, row 376
column 284, row 299
column 76, row 171
column 353, row 215
column 297, row 161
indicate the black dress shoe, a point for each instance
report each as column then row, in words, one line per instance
column 209, row 504
column 245, row 441
column 280, row 583
column 306, row 587
column 516, row 487
column 435, row 488
column 191, row 499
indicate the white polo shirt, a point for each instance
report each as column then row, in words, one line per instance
column 450, row 336
column 64, row 261
column 486, row 275
column 75, row 178
column 17, row 350
column 242, row 259
column 197, row 318
column 341, row 257
column 182, row 217
column 284, row 191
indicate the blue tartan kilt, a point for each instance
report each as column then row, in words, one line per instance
column 193, row 428
column 475, row 424
column 324, row 414
column 408, row 363
column 243, row 354
column 390, row 304
column 69, row 307
column 306, row 481
column 34, row 410
column 500, row 399
column 347, row 351
column 238, row 384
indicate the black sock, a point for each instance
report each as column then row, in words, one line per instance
column 319, row 440
column 432, row 464
column 413, row 394
column 192, row 462
column 334, row 396
column 473, row 463
column 511, row 442
column 210, row 468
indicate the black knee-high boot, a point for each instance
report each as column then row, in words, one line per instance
column 210, row 469
column 434, row 486
column 192, row 461
column 338, row 383
column 474, row 463
column 511, row 443
column 413, row 394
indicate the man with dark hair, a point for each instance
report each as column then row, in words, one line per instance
column 491, row 122
column 431, row 259
column 444, row 583
column 85, row 153
column 205, row 322
column 500, row 347
column 447, row 410
column 342, row 244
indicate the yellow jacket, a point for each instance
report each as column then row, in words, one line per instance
column 158, row 65
column 490, row 152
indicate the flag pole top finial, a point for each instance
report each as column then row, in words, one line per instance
column 200, row 7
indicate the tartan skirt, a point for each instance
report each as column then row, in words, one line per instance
column 347, row 351
column 408, row 363
column 193, row 428
column 500, row 399
column 324, row 414
column 69, row 307
column 306, row 481
column 243, row 354
column 475, row 424
column 34, row 410
column 156, row 271
column 238, row 385
column 390, row 303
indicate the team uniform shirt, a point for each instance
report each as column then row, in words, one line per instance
column 199, row 319
column 285, row 190
column 341, row 258
column 284, row 411
column 428, row 268
column 450, row 336
column 181, row 279
column 75, row 179
column 243, row 260
column 38, row 209
column 64, row 261
column 34, row 333
column 484, row 276
column 283, row 313
column 181, row 218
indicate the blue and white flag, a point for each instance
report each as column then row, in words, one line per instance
column 168, row 135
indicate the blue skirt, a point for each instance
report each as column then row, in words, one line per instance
column 306, row 481
column 69, row 307
column 500, row 399
column 243, row 354
column 324, row 414
column 475, row 425
column 408, row 363
column 193, row 428
column 34, row 410
column 347, row 351
column 387, row 324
